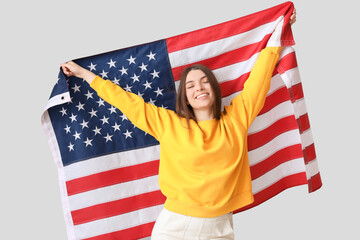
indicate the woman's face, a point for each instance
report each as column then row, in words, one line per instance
column 199, row 92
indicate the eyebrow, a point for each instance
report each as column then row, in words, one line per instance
column 193, row 80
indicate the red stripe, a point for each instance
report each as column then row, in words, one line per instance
column 281, row 156
column 112, row 177
column 233, row 86
column 303, row 122
column 297, row 91
column 276, row 188
column 287, row 62
column 309, row 153
column 279, row 96
column 137, row 232
column 314, row 183
column 260, row 138
column 226, row 59
column 117, row 207
column 230, row 28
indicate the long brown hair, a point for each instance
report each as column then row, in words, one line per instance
column 183, row 109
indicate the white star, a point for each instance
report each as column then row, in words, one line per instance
column 163, row 106
column 155, row 74
column 147, row 85
column 123, row 71
column 112, row 109
column 104, row 74
column 143, row 67
column 76, row 88
column 73, row 117
column 151, row 56
column 152, row 101
column 67, row 129
column 100, row 102
column 104, row 120
column 71, row 147
column 127, row 134
column 88, row 142
column 80, row 106
column 63, row 111
column 127, row 88
column 116, row 127
column 131, row 60
column 116, row 81
column 84, row 124
column 135, row 78
column 140, row 94
column 93, row 113
column 92, row 67
column 111, row 63
column 123, row 117
column 71, row 98
column 96, row 130
column 89, row 95
column 77, row 135
column 108, row 137
column 159, row 91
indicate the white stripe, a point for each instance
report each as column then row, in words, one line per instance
column 215, row 48
column 286, row 169
column 283, row 140
column 112, row 161
column 275, row 39
column 52, row 140
column 275, row 84
column 312, row 168
column 263, row 121
column 299, row 108
column 291, row 77
column 285, row 51
column 307, row 138
column 235, row 70
column 117, row 223
column 54, row 147
column 114, row 192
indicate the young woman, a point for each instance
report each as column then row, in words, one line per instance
column 204, row 170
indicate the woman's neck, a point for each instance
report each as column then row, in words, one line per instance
column 203, row 115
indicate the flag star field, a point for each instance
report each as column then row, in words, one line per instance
column 90, row 126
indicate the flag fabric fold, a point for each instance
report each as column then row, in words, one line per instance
column 108, row 168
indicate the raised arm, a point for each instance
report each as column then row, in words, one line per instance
column 145, row 116
column 250, row 101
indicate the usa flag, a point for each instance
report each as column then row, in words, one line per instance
column 108, row 168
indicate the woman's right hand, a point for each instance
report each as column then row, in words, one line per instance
column 72, row 69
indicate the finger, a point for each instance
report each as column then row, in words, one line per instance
column 67, row 71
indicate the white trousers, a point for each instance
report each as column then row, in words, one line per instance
column 175, row 226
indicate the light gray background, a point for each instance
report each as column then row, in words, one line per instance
column 36, row 36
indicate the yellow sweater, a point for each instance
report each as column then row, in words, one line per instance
column 205, row 172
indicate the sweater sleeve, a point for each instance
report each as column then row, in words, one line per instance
column 247, row 105
column 145, row 116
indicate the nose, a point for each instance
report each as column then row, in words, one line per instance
column 199, row 86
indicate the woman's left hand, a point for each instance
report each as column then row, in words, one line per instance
column 293, row 17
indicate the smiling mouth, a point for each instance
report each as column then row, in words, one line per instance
column 202, row 96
